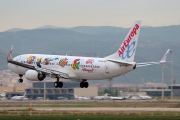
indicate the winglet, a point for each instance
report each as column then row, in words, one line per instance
column 163, row 60
column 10, row 53
column 24, row 94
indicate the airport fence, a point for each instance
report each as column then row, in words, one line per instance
column 31, row 112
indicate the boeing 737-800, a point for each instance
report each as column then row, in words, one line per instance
column 36, row 67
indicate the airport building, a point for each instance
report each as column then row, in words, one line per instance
column 176, row 89
column 167, row 90
column 39, row 89
column 145, row 90
column 156, row 92
column 69, row 90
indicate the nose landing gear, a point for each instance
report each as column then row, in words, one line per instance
column 20, row 80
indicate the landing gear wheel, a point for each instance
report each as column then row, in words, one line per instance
column 60, row 84
column 86, row 84
column 20, row 80
column 56, row 84
column 81, row 84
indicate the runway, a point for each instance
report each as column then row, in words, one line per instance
column 91, row 109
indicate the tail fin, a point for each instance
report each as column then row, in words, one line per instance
column 24, row 94
column 75, row 96
column 10, row 53
column 126, row 51
column 164, row 57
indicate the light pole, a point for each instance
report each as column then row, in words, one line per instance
column 44, row 90
column 171, row 52
column 162, row 80
column 162, row 62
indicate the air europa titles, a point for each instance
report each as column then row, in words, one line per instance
column 90, row 69
column 128, row 40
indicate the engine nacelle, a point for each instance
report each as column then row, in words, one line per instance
column 34, row 75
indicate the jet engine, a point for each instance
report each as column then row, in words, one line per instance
column 34, row 75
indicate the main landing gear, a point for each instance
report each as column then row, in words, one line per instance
column 20, row 80
column 58, row 83
column 84, row 84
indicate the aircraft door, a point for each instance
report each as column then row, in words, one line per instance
column 56, row 63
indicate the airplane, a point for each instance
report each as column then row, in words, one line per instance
column 36, row 67
column 134, row 98
column 20, row 97
column 39, row 98
column 117, row 98
column 81, row 98
column 105, row 97
column 3, row 95
column 144, row 97
column 62, row 98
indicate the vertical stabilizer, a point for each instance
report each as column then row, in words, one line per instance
column 127, row 49
column 165, row 57
column 24, row 94
column 10, row 53
column 4, row 93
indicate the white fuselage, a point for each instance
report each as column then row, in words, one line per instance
column 145, row 97
column 19, row 98
column 77, row 68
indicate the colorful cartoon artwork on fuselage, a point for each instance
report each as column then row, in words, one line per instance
column 38, row 62
column 90, row 61
column 31, row 59
column 75, row 64
column 89, row 68
column 46, row 61
column 63, row 62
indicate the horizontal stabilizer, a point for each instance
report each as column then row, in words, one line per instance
column 122, row 62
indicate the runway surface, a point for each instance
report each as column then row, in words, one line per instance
column 92, row 109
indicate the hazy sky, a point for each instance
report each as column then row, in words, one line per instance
column 30, row 14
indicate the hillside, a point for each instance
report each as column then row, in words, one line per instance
column 99, row 42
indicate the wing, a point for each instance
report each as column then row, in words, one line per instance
column 48, row 72
column 121, row 62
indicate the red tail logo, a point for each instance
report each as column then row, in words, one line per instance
column 128, row 40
